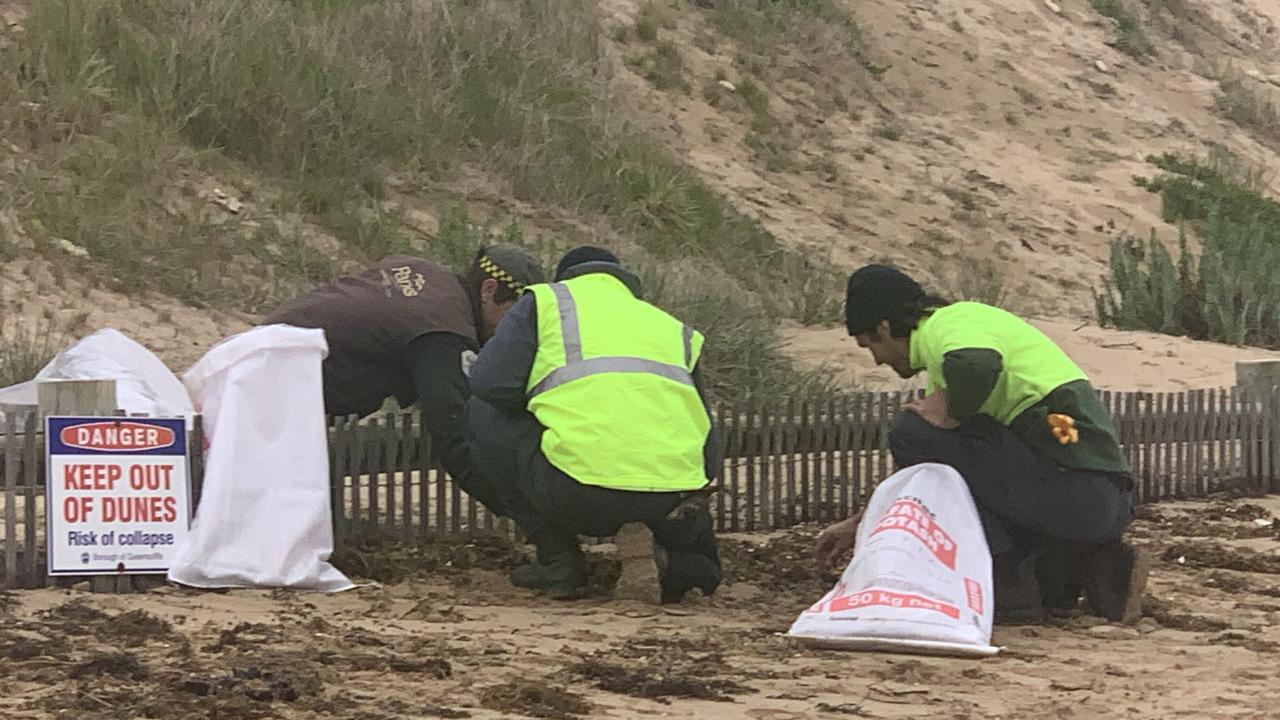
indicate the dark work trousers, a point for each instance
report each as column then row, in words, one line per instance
column 552, row 508
column 1027, row 504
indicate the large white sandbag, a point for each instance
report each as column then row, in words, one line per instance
column 920, row 578
column 263, row 518
column 144, row 384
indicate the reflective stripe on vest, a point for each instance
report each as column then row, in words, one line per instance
column 612, row 385
column 576, row 368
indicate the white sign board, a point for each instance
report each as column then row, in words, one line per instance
column 118, row 494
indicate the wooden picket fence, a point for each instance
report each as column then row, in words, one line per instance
column 819, row 461
column 784, row 465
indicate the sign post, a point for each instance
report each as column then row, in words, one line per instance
column 118, row 494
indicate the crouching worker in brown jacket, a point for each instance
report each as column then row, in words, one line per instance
column 409, row 328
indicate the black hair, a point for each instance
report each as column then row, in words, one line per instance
column 906, row 318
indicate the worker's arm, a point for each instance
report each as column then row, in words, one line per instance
column 435, row 362
column 971, row 374
column 500, row 375
column 713, row 447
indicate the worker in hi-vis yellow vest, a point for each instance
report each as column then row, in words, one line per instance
column 1021, row 423
column 588, row 415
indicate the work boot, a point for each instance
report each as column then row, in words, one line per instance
column 686, row 571
column 1117, row 577
column 643, row 563
column 1017, row 590
column 563, row 577
column 1058, row 572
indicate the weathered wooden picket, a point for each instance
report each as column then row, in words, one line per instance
column 799, row 462
column 818, row 461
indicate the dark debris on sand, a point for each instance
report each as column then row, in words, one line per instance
column 535, row 699
column 372, row 553
column 784, row 562
column 658, row 668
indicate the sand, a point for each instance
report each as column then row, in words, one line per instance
column 462, row 643
column 1019, row 131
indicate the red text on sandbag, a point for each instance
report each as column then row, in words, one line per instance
column 887, row 598
column 973, row 594
column 910, row 516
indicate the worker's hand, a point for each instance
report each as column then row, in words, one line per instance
column 933, row 408
column 837, row 540
column 1064, row 428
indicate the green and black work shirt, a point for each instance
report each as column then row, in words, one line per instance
column 992, row 362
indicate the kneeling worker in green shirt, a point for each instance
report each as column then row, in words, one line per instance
column 1021, row 423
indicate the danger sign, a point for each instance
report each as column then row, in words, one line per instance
column 118, row 498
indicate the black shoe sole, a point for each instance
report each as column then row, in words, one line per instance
column 576, row 592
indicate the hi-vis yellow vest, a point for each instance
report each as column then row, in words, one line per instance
column 611, row 384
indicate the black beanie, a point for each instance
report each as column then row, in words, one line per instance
column 584, row 254
column 874, row 293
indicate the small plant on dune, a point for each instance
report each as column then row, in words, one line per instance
column 772, row 149
column 769, row 140
column 972, row 277
column 815, row 44
column 1245, row 103
column 646, row 26
column 1131, row 38
column 888, row 131
column 663, row 67
column 815, row 289
column 762, row 25
column 755, row 99
column 1148, row 290
column 653, row 17
column 1192, row 189
column 964, row 198
column 25, row 349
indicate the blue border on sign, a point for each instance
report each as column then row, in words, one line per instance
column 57, row 424
column 54, row 425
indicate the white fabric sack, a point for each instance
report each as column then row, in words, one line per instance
column 920, row 578
column 263, row 519
column 144, row 384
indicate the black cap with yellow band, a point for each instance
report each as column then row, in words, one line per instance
column 511, row 265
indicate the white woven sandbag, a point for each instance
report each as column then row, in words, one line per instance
column 920, row 577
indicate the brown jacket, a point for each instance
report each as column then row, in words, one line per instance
column 369, row 320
